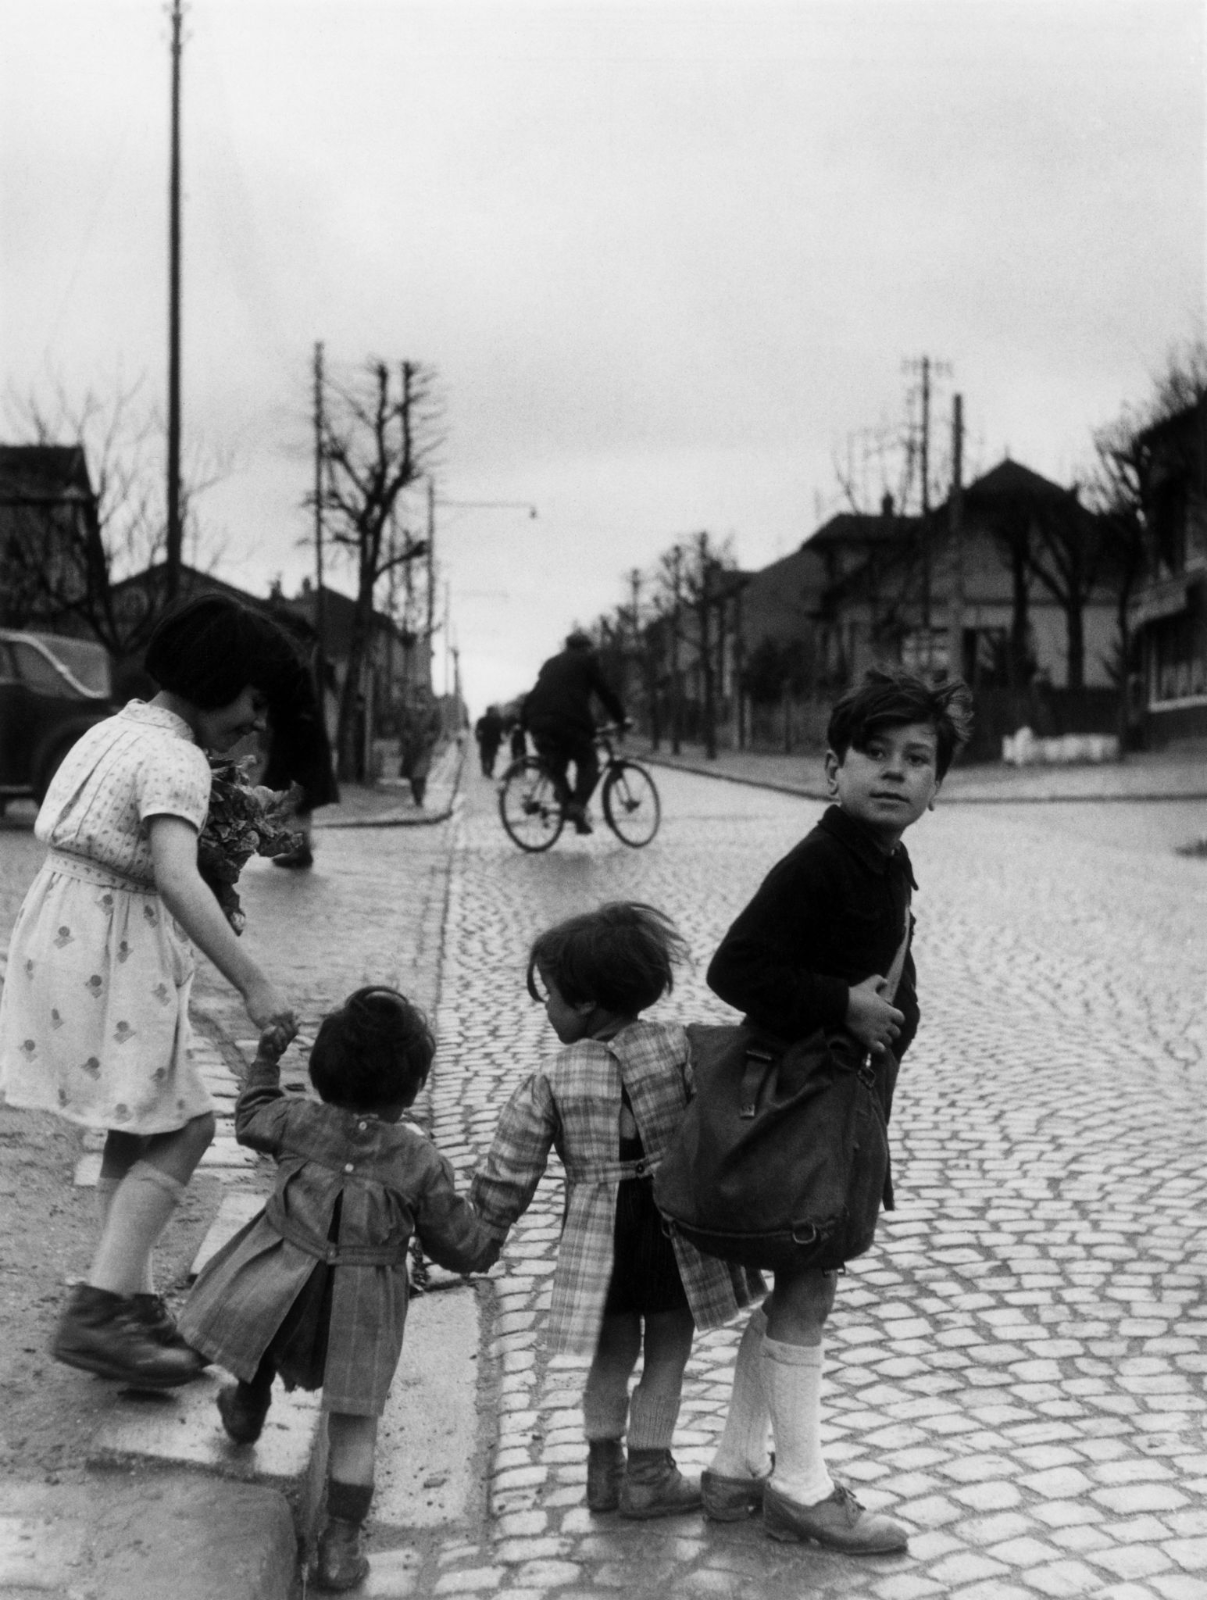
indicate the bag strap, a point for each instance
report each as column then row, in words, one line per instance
column 892, row 981
column 758, row 1059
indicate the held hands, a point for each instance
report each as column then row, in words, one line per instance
column 267, row 1008
column 870, row 1017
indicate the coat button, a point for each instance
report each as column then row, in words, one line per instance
column 348, row 1166
column 362, row 1126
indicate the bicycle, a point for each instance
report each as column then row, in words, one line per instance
column 534, row 817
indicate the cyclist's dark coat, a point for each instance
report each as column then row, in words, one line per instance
column 561, row 698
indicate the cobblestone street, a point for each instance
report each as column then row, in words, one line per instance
column 1016, row 1371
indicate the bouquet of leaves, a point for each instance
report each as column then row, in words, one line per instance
column 244, row 820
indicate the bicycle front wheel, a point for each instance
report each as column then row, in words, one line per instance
column 528, row 805
column 630, row 803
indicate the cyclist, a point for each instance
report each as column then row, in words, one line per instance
column 557, row 713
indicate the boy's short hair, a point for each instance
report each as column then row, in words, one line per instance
column 889, row 697
column 373, row 1053
column 210, row 649
column 619, row 956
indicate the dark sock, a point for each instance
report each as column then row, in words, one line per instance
column 261, row 1384
column 348, row 1502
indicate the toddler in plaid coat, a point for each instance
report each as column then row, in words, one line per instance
column 314, row 1289
column 609, row 1104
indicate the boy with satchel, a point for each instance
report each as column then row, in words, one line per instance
column 812, row 957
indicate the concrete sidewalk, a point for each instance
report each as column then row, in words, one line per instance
column 1155, row 775
column 157, row 1500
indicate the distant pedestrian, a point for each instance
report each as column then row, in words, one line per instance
column 313, row 1289
column 299, row 751
column 610, row 1101
column 420, row 726
column 517, row 739
column 557, row 713
column 810, row 952
column 488, row 731
column 94, row 1019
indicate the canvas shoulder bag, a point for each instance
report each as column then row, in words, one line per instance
column 781, row 1159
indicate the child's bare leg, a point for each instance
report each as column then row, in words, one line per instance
column 798, row 1306
column 142, row 1204
column 653, row 1485
column 352, row 1441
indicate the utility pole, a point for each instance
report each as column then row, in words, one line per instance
column 174, row 530
column 320, row 603
column 927, row 370
column 676, row 718
column 431, row 583
column 924, row 452
column 635, row 623
column 705, row 645
column 955, row 626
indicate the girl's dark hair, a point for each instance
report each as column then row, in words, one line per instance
column 374, row 1052
column 889, row 697
column 209, row 650
column 618, row 956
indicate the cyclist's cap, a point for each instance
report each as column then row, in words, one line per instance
column 579, row 641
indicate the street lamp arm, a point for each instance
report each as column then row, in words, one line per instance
column 489, row 505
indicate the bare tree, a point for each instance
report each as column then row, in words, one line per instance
column 121, row 435
column 378, row 438
column 1118, row 485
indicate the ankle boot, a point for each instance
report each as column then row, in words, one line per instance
column 654, row 1487
column 341, row 1563
column 243, row 1409
column 108, row 1334
column 605, row 1470
column 161, row 1324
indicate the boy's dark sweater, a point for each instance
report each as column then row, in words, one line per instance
column 827, row 916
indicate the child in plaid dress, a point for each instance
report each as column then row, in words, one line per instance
column 314, row 1289
column 609, row 1104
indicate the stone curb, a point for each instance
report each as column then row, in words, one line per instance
column 805, row 791
column 398, row 818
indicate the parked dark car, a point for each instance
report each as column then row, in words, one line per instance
column 52, row 690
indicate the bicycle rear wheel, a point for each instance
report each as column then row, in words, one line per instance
column 528, row 805
column 630, row 802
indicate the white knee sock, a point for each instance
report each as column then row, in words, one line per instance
column 139, row 1211
column 792, row 1381
column 742, row 1452
column 106, row 1188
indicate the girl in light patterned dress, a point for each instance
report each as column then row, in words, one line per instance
column 609, row 1105
column 94, row 1015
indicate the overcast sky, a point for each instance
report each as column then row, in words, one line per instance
column 668, row 260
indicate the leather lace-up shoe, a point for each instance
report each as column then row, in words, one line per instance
column 107, row 1334
column 654, row 1487
column 161, row 1324
column 732, row 1499
column 839, row 1522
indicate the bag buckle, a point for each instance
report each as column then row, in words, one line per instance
column 752, row 1078
column 805, row 1234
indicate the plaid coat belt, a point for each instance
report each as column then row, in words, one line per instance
column 349, row 1255
column 610, row 1171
